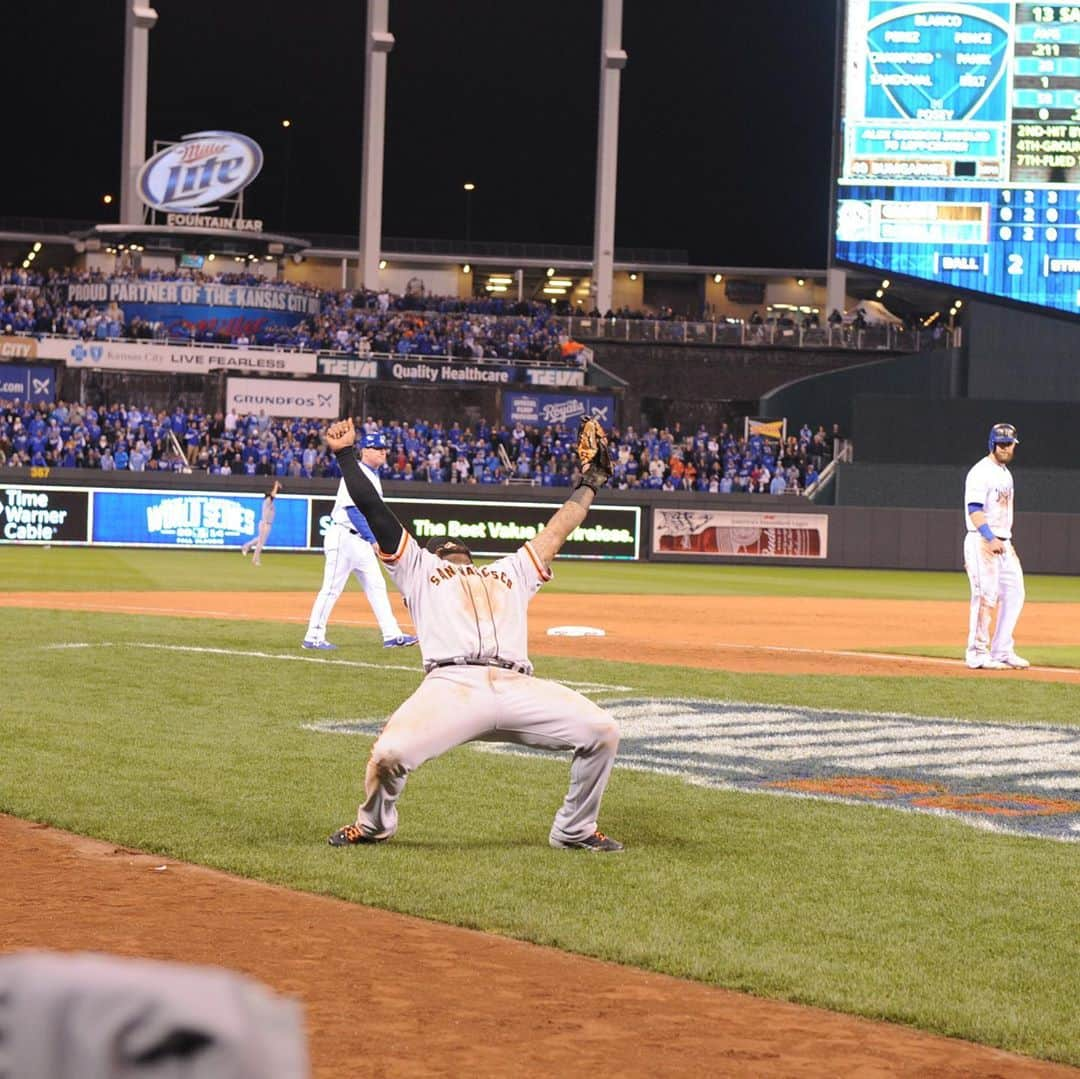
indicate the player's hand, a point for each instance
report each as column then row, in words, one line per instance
column 341, row 434
column 995, row 546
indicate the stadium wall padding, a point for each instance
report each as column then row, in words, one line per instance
column 860, row 537
column 1016, row 355
column 698, row 383
column 1038, row 490
column 933, row 431
column 832, row 395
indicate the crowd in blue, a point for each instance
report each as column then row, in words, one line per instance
column 350, row 321
column 117, row 437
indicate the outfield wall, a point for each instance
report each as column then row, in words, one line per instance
column 213, row 512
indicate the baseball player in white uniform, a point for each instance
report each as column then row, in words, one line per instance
column 266, row 522
column 993, row 568
column 349, row 548
column 479, row 685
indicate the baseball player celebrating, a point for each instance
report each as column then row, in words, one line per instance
column 997, row 581
column 348, row 547
column 266, row 522
column 479, row 684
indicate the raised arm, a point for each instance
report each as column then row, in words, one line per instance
column 595, row 472
column 564, row 520
column 387, row 528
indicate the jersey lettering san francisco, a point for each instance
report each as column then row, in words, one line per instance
column 991, row 484
column 471, row 612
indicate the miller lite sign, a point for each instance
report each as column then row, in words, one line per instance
column 201, row 169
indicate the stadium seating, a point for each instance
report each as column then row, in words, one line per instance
column 120, row 436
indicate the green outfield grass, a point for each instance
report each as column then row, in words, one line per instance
column 82, row 569
column 204, row 757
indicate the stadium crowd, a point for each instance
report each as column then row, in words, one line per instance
column 349, row 321
column 119, row 436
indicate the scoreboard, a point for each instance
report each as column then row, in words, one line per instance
column 959, row 157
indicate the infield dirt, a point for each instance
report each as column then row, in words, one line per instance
column 738, row 633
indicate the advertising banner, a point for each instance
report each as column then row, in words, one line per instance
column 555, row 376
column 284, row 397
column 348, row 367
column 494, row 529
column 726, row 534
column 18, row 348
column 543, row 409
column 190, row 519
column 35, row 384
column 43, row 514
column 175, row 359
column 410, row 370
column 187, row 308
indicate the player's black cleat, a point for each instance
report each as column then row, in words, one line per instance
column 350, row 835
column 598, row 843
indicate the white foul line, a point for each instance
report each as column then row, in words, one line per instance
column 585, row 687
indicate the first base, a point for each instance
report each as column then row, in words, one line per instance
column 575, row 631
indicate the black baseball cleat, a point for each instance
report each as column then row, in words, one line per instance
column 350, row 835
column 598, row 843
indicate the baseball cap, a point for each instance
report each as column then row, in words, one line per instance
column 373, row 441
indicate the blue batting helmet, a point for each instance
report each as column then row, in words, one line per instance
column 373, row 442
column 1001, row 434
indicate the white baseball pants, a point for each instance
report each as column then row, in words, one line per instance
column 997, row 583
column 349, row 553
column 454, row 705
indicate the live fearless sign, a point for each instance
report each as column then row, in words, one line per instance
column 177, row 359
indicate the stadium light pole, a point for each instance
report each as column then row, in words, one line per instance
column 612, row 61
column 378, row 41
column 468, row 187
column 139, row 20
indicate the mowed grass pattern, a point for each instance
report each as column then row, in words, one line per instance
column 135, row 569
column 204, row 757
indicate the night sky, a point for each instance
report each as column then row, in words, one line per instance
column 725, row 117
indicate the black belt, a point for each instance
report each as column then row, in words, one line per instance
column 464, row 661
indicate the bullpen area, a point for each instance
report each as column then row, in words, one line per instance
column 845, row 851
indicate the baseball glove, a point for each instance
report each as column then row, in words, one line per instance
column 592, row 450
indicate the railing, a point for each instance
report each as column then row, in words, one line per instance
column 767, row 334
column 843, row 451
column 322, row 353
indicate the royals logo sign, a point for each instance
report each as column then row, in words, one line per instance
column 200, row 170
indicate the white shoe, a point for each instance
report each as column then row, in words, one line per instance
column 1016, row 662
column 993, row 665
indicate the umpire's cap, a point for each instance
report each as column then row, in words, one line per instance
column 374, row 441
column 1002, row 434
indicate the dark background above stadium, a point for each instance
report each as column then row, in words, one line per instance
column 725, row 117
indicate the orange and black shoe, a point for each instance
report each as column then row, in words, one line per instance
column 349, row 835
column 598, row 843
